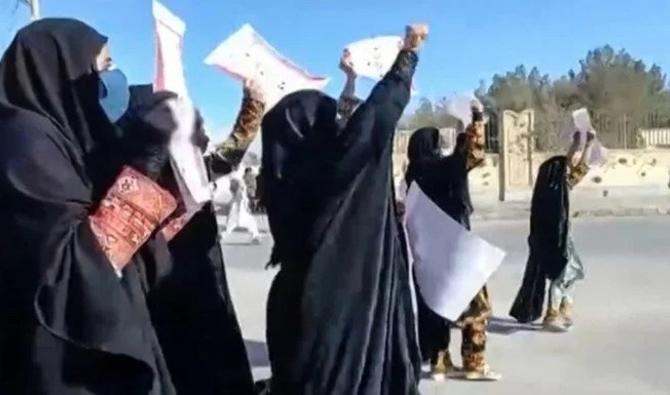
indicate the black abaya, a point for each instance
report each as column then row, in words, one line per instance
column 548, row 240
column 191, row 306
column 68, row 324
column 340, row 317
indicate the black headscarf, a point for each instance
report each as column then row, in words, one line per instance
column 292, row 175
column 340, row 318
column 549, row 223
column 424, row 147
column 444, row 179
column 49, row 69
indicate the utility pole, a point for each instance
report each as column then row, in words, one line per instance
column 34, row 8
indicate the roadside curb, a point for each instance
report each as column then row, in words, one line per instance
column 524, row 213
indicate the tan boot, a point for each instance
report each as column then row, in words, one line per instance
column 552, row 322
column 566, row 313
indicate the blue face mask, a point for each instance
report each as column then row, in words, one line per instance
column 114, row 94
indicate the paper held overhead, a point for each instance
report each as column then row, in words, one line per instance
column 580, row 123
column 451, row 264
column 170, row 31
column 247, row 55
column 459, row 106
column 373, row 57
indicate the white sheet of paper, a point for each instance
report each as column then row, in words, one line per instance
column 451, row 264
column 373, row 57
column 581, row 123
column 582, row 120
column 247, row 55
column 187, row 159
column 460, row 106
column 170, row 31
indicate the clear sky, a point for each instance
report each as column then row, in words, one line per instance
column 470, row 40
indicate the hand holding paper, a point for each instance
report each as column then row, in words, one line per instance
column 347, row 65
column 415, row 36
column 254, row 90
column 580, row 135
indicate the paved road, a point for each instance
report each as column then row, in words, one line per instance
column 621, row 343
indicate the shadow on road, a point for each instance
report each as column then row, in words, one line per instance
column 508, row 326
column 258, row 354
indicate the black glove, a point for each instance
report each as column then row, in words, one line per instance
column 147, row 134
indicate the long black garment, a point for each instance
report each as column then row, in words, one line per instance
column 68, row 324
column 444, row 180
column 548, row 255
column 340, row 317
column 191, row 306
column 194, row 315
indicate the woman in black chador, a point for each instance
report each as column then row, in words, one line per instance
column 339, row 317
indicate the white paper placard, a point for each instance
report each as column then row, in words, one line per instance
column 581, row 123
column 451, row 264
column 247, row 55
column 170, row 31
column 459, row 106
column 187, row 159
column 373, row 57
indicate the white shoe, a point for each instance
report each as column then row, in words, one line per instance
column 485, row 374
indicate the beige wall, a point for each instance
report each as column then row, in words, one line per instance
column 645, row 168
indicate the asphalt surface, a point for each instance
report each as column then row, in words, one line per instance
column 621, row 341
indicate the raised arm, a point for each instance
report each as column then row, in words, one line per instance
column 475, row 138
column 578, row 170
column 348, row 102
column 371, row 127
column 228, row 154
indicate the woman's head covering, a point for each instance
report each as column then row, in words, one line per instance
column 295, row 131
column 289, row 128
column 49, row 69
column 424, row 143
column 424, row 146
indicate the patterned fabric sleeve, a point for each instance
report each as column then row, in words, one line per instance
column 229, row 154
column 475, row 141
column 132, row 209
column 347, row 105
column 576, row 173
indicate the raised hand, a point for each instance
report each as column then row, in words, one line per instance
column 254, row 90
column 476, row 106
column 346, row 65
column 415, row 36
